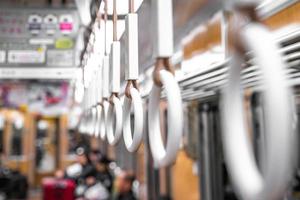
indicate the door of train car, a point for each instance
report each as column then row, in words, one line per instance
column 34, row 146
column 17, row 140
column 47, row 149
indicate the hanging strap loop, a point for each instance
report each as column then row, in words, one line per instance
column 161, row 63
column 131, row 84
column 114, row 114
column 248, row 35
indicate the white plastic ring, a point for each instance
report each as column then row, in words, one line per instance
column 82, row 125
column 93, row 120
column 103, row 120
column 114, row 121
column 247, row 178
column 98, row 121
column 133, row 141
column 85, row 123
column 89, row 122
column 165, row 156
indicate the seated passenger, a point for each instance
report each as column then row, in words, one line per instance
column 81, row 168
column 103, row 173
column 13, row 185
column 124, row 184
column 94, row 156
column 94, row 189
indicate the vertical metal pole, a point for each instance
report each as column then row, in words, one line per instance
column 215, row 155
column 105, row 26
column 224, row 33
column 131, row 6
column 259, row 138
column 204, row 161
column 152, row 173
column 115, row 20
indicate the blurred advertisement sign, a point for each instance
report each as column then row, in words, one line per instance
column 51, row 98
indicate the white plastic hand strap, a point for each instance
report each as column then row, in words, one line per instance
column 133, row 140
column 91, row 108
column 104, row 119
column 98, row 99
column 98, row 121
column 89, row 114
column 93, row 120
column 132, row 59
column 82, row 125
column 115, row 65
column 163, row 38
column 165, row 156
column 246, row 176
column 85, row 123
column 94, row 104
column 99, row 39
column 115, row 110
column 105, row 77
column 105, row 96
column 114, row 117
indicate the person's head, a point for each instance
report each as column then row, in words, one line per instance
column 91, row 177
column 82, row 156
column 94, row 155
column 124, row 182
column 59, row 174
column 102, row 164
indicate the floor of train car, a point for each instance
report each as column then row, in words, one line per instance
column 35, row 194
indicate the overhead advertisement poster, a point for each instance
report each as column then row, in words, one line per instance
column 60, row 58
column 2, row 56
column 45, row 98
column 26, row 56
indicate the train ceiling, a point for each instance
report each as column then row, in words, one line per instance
column 36, row 2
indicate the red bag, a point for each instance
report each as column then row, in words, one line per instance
column 58, row 189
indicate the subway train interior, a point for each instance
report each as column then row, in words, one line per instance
column 149, row 99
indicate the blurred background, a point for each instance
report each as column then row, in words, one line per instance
column 44, row 79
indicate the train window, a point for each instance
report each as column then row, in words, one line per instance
column 191, row 131
column 1, row 140
column 45, row 147
column 2, row 127
column 16, row 137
